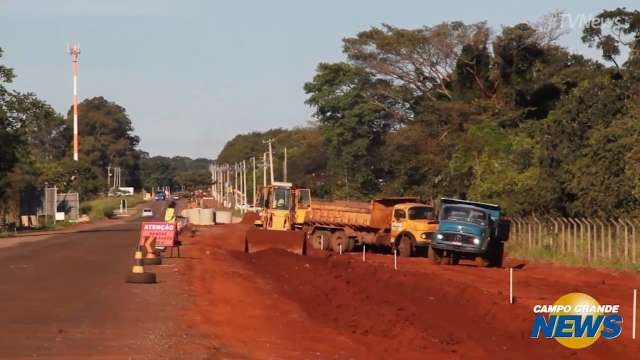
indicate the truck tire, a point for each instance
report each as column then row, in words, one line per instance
column 321, row 240
column 405, row 246
column 483, row 261
column 339, row 238
column 453, row 259
column 436, row 256
column 495, row 260
column 351, row 243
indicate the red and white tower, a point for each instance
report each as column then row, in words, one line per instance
column 74, row 51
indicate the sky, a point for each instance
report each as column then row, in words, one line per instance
column 193, row 74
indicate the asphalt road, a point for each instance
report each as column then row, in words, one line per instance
column 65, row 297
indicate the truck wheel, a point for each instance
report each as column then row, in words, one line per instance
column 436, row 256
column 339, row 238
column 321, row 240
column 351, row 243
column 483, row 261
column 453, row 259
column 497, row 255
column 405, row 246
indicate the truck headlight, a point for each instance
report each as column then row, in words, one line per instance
column 476, row 241
column 439, row 236
column 423, row 236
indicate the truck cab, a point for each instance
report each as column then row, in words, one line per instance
column 413, row 226
column 282, row 206
column 469, row 230
column 276, row 203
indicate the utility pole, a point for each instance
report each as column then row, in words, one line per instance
column 244, row 183
column 235, row 188
column 264, row 169
column 284, row 170
column 74, row 51
column 253, row 197
column 269, row 141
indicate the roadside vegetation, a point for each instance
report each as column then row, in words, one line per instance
column 502, row 115
column 37, row 152
column 551, row 254
column 105, row 207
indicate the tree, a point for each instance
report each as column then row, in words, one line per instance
column 621, row 28
column 420, row 60
column 106, row 139
column 8, row 128
column 353, row 125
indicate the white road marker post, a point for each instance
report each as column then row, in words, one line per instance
column 395, row 259
column 510, row 285
column 633, row 330
column 321, row 242
column 340, row 248
column 363, row 252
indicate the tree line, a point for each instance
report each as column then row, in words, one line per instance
column 36, row 150
column 499, row 115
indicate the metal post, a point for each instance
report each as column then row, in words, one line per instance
column 271, row 161
column 244, row 185
column 74, row 51
column 253, row 197
column 633, row 243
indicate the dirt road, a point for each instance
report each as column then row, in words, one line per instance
column 276, row 304
column 64, row 296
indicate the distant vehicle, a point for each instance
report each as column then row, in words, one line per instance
column 147, row 212
column 160, row 195
column 175, row 197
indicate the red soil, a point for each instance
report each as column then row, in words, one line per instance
column 277, row 304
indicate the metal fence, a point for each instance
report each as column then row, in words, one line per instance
column 68, row 203
column 588, row 238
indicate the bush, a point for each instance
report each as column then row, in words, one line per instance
column 104, row 207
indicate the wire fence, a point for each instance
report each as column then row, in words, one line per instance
column 587, row 239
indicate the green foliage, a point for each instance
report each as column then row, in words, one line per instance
column 176, row 172
column 306, row 156
column 353, row 126
column 621, row 28
column 432, row 111
column 104, row 207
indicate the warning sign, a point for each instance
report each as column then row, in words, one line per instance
column 163, row 232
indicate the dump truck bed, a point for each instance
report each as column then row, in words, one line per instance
column 375, row 214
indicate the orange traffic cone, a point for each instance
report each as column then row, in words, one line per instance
column 151, row 258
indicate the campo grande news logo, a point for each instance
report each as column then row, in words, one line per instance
column 576, row 321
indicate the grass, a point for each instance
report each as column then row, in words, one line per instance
column 104, row 207
column 552, row 254
column 97, row 209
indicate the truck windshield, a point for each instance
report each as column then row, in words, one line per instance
column 460, row 213
column 421, row 213
column 280, row 199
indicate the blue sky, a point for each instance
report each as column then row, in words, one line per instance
column 192, row 74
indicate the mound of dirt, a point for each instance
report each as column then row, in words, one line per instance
column 261, row 302
column 249, row 218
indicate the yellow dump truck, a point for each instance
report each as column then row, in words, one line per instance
column 398, row 222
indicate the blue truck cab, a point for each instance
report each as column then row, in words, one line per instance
column 469, row 230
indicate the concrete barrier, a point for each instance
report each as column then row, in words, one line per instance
column 223, row 217
column 206, row 217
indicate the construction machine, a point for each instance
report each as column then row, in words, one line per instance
column 282, row 213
